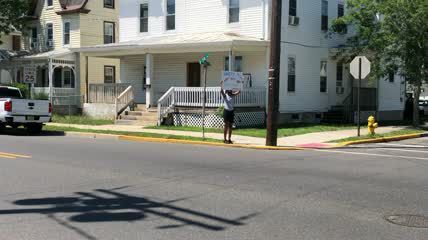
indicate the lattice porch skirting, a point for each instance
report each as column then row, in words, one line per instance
column 242, row 119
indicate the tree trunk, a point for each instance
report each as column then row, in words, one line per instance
column 416, row 95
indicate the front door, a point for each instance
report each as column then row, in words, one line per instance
column 193, row 75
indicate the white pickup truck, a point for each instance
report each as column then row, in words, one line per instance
column 15, row 111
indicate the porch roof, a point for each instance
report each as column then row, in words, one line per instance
column 177, row 43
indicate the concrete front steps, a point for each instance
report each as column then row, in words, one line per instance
column 139, row 116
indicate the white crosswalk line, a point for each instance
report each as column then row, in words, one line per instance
column 403, row 150
column 402, row 145
column 370, row 154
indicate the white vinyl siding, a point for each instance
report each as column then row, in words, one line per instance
column 192, row 16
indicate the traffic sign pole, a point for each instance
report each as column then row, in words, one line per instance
column 359, row 99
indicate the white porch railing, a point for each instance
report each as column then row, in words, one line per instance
column 124, row 100
column 193, row 97
column 60, row 96
column 106, row 93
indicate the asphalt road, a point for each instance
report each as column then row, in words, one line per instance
column 59, row 188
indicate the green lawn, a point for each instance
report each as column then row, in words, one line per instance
column 135, row 134
column 80, row 119
column 376, row 136
column 284, row 130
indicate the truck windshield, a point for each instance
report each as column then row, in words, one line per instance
column 9, row 93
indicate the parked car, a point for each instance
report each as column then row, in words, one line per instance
column 423, row 107
column 15, row 111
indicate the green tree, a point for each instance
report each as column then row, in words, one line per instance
column 12, row 15
column 394, row 34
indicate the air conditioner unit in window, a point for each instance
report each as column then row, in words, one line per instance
column 340, row 90
column 34, row 43
column 293, row 20
column 49, row 44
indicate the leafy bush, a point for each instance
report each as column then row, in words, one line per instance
column 220, row 111
column 40, row 96
column 22, row 87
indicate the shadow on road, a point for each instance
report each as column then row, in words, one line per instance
column 23, row 132
column 103, row 205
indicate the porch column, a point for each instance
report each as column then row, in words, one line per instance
column 149, row 72
column 231, row 60
column 50, row 77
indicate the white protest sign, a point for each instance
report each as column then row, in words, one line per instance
column 233, row 80
column 30, row 74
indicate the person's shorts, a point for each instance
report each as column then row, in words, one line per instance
column 229, row 116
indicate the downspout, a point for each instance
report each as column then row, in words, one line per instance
column 264, row 19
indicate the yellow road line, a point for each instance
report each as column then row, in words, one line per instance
column 12, row 155
column 8, row 157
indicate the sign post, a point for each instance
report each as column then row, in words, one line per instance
column 30, row 77
column 360, row 69
column 204, row 62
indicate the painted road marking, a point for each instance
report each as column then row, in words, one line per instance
column 403, row 145
column 403, row 150
column 370, row 154
column 12, row 155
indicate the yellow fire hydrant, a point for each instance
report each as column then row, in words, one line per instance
column 372, row 125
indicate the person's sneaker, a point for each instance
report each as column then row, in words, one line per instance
column 229, row 142
column 226, row 142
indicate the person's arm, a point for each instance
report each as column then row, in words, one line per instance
column 237, row 93
column 222, row 90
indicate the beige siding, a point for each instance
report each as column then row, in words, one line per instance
column 92, row 27
column 7, row 42
column 49, row 15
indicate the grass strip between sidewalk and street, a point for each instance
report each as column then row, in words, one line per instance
column 81, row 120
column 134, row 134
column 380, row 136
column 283, row 131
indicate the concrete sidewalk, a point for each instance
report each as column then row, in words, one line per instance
column 319, row 139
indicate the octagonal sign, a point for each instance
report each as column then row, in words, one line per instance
column 355, row 67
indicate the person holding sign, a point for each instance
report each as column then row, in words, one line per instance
column 229, row 112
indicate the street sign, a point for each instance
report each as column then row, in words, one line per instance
column 233, row 80
column 30, row 74
column 365, row 67
column 360, row 68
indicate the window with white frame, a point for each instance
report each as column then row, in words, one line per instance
column 34, row 38
column 49, row 3
column 233, row 11
column 66, row 33
column 109, row 74
column 237, row 64
column 323, row 77
column 291, row 84
column 340, row 9
column 339, row 79
column 109, row 32
column 170, row 14
column 324, row 15
column 67, row 78
column 144, row 18
column 292, row 11
column 49, row 35
column 109, row 3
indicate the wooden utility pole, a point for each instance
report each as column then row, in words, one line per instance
column 274, row 70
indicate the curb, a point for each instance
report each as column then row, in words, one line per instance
column 384, row 139
column 175, row 141
column 189, row 142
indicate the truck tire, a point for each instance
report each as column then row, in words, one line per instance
column 35, row 128
column 2, row 127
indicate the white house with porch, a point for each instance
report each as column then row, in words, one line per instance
column 162, row 41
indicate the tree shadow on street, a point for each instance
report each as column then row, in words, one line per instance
column 103, row 205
